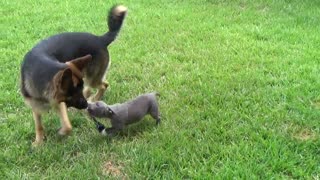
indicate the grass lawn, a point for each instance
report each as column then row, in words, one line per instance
column 239, row 83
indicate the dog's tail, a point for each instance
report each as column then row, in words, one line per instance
column 115, row 19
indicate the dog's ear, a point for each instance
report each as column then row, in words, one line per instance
column 81, row 62
column 63, row 80
column 66, row 80
column 61, row 83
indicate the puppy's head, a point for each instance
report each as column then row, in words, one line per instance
column 69, row 84
column 100, row 109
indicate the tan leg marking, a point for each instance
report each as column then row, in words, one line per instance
column 39, row 129
column 66, row 127
column 101, row 90
column 87, row 92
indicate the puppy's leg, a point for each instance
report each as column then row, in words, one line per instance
column 116, row 126
column 111, row 131
column 101, row 90
column 66, row 127
column 158, row 120
column 39, row 129
column 154, row 112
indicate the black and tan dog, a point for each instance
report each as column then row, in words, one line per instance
column 55, row 71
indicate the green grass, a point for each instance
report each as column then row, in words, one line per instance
column 239, row 83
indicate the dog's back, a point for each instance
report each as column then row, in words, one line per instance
column 66, row 46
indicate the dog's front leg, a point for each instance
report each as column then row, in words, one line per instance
column 66, row 127
column 39, row 129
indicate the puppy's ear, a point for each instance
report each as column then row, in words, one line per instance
column 110, row 111
column 81, row 62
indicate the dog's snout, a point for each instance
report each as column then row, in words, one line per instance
column 83, row 103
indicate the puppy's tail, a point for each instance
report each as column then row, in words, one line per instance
column 156, row 93
column 115, row 19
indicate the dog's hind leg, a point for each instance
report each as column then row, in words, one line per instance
column 95, row 75
column 87, row 92
column 66, row 127
column 101, row 90
column 39, row 129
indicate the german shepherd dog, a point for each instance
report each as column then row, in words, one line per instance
column 55, row 71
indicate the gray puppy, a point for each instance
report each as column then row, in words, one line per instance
column 126, row 113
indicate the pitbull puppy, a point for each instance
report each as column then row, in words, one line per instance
column 126, row 113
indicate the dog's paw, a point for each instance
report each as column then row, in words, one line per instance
column 64, row 131
column 94, row 98
column 37, row 143
column 87, row 92
column 91, row 99
column 39, row 140
column 105, row 84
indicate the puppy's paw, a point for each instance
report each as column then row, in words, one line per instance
column 111, row 132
